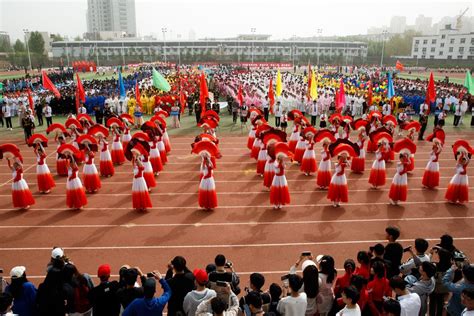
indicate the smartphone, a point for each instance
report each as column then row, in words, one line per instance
column 150, row 275
column 285, row 277
column 306, row 253
column 221, row 283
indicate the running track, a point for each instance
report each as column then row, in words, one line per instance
column 244, row 227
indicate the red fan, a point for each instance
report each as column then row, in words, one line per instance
column 134, row 142
column 204, row 146
column 162, row 113
column 293, row 114
column 208, row 138
column 359, row 124
column 10, row 151
column 73, row 123
column 271, row 149
column 347, row 119
column 282, row 149
column 274, row 136
column 151, row 129
column 404, row 145
column 87, row 140
column 256, row 111
column 99, row 130
column 381, row 136
column 138, row 149
column 56, row 128
column 127, row 118
column 309, row 132
column 342, row 146
column 69, row 150
column 462, row 145
column 211, row 113
column 159, row 121
column 412, row 125
column 373, row 115
column 207, row 122
column 378, row 131
column 258, row 117
column 389, row 119
column 84, row 117
column 335, row 117
column 262, row 129
column 38, row 139
column 141, row 136
column 438, row 135
column 324, row 136
column 115, row 122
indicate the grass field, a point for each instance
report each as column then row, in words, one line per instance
column 425, row 76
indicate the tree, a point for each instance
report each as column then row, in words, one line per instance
column 36, row 43
column 19, row 47
column 77, row 38
column 5, row 45
column 56, row 38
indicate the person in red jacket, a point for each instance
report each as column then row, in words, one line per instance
column 379, row 287
column 344, row 281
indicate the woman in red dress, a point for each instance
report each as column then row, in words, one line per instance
column 21, row 194
column 43, row 175
column 269, row 170
column 458, row 188
column 90, row 175
column 61, row 163
column 399, row 187
column 106, row 166
column 308, row 163
column 140, row 196
column 117, row 154
column 155, row 158
column 279, row 193
column 207, row 188
column 324, row 171
column 126, row 137
column 262, row 157
column 378, row 174
column 75, row 194
column 358, row 163
column 431, row 174
column 338, row 191
column 411, row 136
column 294, row 137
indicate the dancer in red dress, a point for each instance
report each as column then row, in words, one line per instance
column 75, row 194
column 458, row 188
column 21, row 194
column 126, row 137
column 61, row 163
column 294, row 137
column 207, row 187
column 148, row 172
column 399, row 187
column 431, row 174
column 377, row 175
column 106, row 166
column 269, row 170
column 90, row 175
column 324, row 171
column 140, row 196
column 358, row 163
column 118, row 157
column 308, row 163
column 279, row 193
column 374, row 119
column 412, row 128
column 155, row 158
column 43, row 175
column 262, row 156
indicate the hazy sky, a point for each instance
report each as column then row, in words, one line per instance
column 221, row 18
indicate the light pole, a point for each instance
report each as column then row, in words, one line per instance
column 179, row 48
column 293, row 50
column 253, row 30
column 164, row 30
column 27, row 47
column 96, row 35
column 319, row 31
column 384, row 32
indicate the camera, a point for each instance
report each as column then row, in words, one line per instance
column 150, row 275
column 306, row 253
column 1, row 270
column 221, row 283
column 228, row 265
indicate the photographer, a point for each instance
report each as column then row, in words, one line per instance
column 455, row 306
column 423, row 286
column 411, row 266
column 221, row 274
column 218, row 306
column 181, row 282
column 295, row 303
column 310, row 280
column 129, row 292
column 257, row 281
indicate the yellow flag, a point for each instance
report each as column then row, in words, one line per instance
column 313, row 92
column 279, row 87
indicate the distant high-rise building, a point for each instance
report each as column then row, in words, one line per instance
column 423, row 24
column 398, row 24
column 111, row 16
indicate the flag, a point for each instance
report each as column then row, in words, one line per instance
column 390, row 89
column 80, row 93
column 399, row 65
column 30, row 101
column 271, row 95
column 182, row 101
column 240, row 96
column 313, row 91
column 369, row 94
column 341, row 97
column 279, row 87
column 137, row 96
column 430, row 92
column 468, row 83
column 121, row 86
column 310, row 78
column 160, row 82
column 48, row 85
column 203, row 92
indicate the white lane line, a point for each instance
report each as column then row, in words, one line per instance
column 251, row 223
column 290, row 244
column 240, row 207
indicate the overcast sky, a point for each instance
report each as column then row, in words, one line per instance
column 225, row 18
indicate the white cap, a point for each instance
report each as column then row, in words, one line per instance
column 17, row 272
column 318, row 258
column 57, row 253
column 307, row 263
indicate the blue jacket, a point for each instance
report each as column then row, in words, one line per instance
column 25, row 304
column 149, row 306
column 454, row 305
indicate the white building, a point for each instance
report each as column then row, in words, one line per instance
column 111, row 16
column 398, row 24
column 448, row 44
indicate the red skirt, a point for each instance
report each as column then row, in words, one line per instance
column 149, row 179
column 309, row 165
column 389, row 156
column 292, row 145
column 156, row 164
column 279, row 195
column 323, row 179
column 91, row 182
column 22, row 198
column 457, row 193
column 377, row 177
column 254, row 152
column 268, row 178
column 299, row 152
column 141, row 200
column 207, row 199
column 398, row 192
column 45, row 182
column 166, row 141
column 106, row 168
column 358, row 165
column 164, row 158
column 76, row 198
column 371, row 147
column 61, row 167
column 411, row 166
column 124, row 145
column 338, row 193
column 118, row 157
column 430, row 179
column 250, row 141
column 261, row 166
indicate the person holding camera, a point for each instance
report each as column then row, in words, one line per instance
column 181, row 282
column 225, row 273
column 455, row 306
column 129, row 291
column 200, row 294
column 423, row 286
column 295, row 303
column 150, row 305
column 411, row 266
column 218, row 306
column 257, row 281
column 310, row 281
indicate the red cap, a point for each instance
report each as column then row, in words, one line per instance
column 201, row 276
column 104, row 270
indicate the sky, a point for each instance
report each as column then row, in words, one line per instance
column 226, row 18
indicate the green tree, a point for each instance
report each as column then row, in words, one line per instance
column 36, row 43
column 19, row 47
column 78, row 38
column 56, row 38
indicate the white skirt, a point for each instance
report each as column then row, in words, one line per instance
column 339, row 180
column 117, row 145
column 139, row 185
column 154, row 152
column 20, row 185
column 90, row 169
column 105, row 156
column 279, row 181
column 432, row 166
column 148, row 167
column 309, row 154
column 207, row 184
column 42, row 169
column 361, row 153
column 325, row 165
column 262, row 155
column 400, row 179
column 459, row 179
column 74, row 184
column 379, row 165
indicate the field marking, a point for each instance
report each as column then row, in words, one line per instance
column 250, row 223
column 290, row 244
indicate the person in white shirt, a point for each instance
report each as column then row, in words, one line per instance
column 295, row 304
column 266, row 108
column 350, row 296
column 467, row 299
column 314, row 112
column 463, row 110
column 411, row 266
column 457, row 114
column 7, row 114
column 423, row 108
column 48, row 114
column 278, row 113
column 410, row 303
column 302, row 106
column 82, row 109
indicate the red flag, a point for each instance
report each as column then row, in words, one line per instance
column 240, row 96
column 271, row 96
column 399, row 65
column 48, row 85
column 203, row 92
column 430, row 92
column 137, row 96
column 369, row 94
column 310, row 75
column 30, row 101
column 182, row 101
column 80, row 93
column 340, row 97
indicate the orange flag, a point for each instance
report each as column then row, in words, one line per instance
column 399, row 65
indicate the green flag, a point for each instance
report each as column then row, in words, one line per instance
column 160, row 82
column 468, row 83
